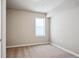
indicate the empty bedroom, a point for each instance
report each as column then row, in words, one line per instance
column 42, row 28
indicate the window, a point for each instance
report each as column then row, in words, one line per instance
column 40, row 26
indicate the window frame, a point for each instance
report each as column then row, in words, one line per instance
column 43, row 33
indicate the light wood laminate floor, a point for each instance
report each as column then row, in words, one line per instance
column 38, row 51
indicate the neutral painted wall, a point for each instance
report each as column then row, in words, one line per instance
column 65, row 29
column 21, row 28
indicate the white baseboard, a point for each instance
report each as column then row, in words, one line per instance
column 27, row 45
column 66, row 50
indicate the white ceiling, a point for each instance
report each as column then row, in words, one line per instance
column 64, row 6
column 34, row 5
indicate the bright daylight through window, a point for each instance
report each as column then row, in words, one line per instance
column 40, row 26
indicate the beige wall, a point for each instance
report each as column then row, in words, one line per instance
column 21, row 30
column 65, row 29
